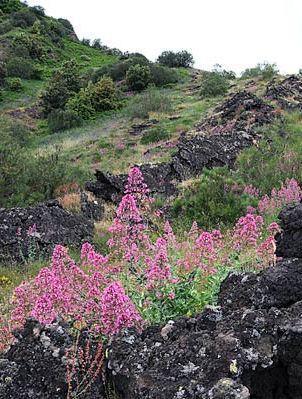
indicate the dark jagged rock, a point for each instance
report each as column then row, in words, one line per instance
column 217, row 142
column 54, row 225
column 159, row 179
column 35, row 365
column 288, row 93
column 195, row 154
column 289, row 241
column 249, row 347
column 91, row 209
column 241, row 112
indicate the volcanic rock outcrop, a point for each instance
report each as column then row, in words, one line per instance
column 288, row 93
column 289, row 241
column 216, row 142
column 35, row 365
column 39, row 229
column 248, row 347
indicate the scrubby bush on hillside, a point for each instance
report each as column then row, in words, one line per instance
column 3, row 73
column 23, row 68
column 264, row 70
column 161, row 75
column 94, row 98
column 62, row 120
column 104, row 96
column 28, row 44
column 230, row 75
column 118, row 70
column 9, row 6
column 151, row 100
column 138, row 77
column 14, row 84
column 64, row 83
column 154, row 135
column 179, row 59
column 23, row 18
column 211, row 200
column 213, row 84
column 5, row 27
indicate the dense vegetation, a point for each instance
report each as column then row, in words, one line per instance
column 69, row 107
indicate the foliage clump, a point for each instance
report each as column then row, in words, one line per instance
column 213, row 84
column 178, row 59
column 264, row 70
column 151, row 100
column 138, row 77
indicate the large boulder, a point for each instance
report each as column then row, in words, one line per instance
column 34, row 367
column 289, row 241
column 38, row 229
column 159, row 179
column 248, row 347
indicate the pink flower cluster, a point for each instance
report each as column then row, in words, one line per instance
column 247, row 231
column 290, row 192
column 75, row 293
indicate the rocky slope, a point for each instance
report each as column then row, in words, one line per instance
column 246, row 347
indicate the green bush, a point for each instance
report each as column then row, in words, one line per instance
column 118, row 70
column 152, row 100
column 94, row 98
column 210, row 201
column 9, row 6
column 28, row 44
column 59, row 120
column 81, row 104
column 154, row 135
column 23, row 18
column 264, row 70
column 23, row 68
column 63, row 85
column 5, row 27
column 138, row 77
column 3, row 73
column 14, row 84
column 104, row 96
column 213, row 84
column 176, row 60
column 161, row 75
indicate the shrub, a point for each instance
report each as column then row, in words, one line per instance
column 64, row 83
column 150, row 101
column 97, row 97
column 161, row 75
column 14, row 84
column 5, row 27
column 118, row 70
column 179, row 59
column 62, row 120
column 211, row 201
column 28, row 44
column 9, row 6
column 3, row 73
column 213, row 84
column 138, row 77
column 38, row 11
column 81, row 104
column 264, row 70
column 104, row 96
column 154, row 135
column 23, row 68
column 23, row 18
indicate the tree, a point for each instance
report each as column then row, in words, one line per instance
column 180, row 59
